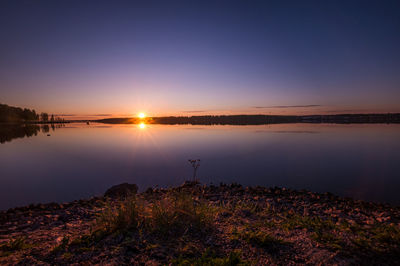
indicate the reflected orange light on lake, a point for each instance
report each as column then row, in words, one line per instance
column 142, row 125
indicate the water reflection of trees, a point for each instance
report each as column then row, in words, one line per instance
column 10, row 132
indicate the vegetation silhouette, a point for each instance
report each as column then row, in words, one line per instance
column 259, row 119
column 44, row 117
column 195, row 164
column 9, row 114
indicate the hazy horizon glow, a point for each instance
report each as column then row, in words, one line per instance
column 118, row 58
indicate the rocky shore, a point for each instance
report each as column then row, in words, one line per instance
column 196, row 224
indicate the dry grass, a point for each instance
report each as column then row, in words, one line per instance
column 180, row 214
column 176, row 214
column 122, row 216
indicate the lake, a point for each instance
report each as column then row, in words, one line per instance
column 78, row 160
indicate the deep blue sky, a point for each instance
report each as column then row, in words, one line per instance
column 175, row 57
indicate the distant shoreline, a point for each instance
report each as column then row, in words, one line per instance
column 35, row 123
column 391, row 118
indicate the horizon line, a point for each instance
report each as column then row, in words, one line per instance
column 216, row 115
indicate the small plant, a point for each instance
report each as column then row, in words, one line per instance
column 195, row 164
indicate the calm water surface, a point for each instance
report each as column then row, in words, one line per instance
column 79, row 160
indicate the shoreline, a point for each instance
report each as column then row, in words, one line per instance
column 259, row 119
column 388, row 118
column 254, row 225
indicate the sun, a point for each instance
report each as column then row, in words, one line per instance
column 142, row 115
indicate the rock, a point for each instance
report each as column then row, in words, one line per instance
column 121, row 191
column 190, row 184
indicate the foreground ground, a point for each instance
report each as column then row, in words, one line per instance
column 203, row 225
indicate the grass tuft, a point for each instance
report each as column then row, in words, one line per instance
column 15, row 244
column 123, row 216
column 175, row 215
column 180, row 214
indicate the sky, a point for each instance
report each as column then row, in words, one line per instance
column 118, row 58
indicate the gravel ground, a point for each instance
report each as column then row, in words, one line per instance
column 245, row 226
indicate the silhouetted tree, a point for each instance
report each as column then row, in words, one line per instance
column 52, row 119
column 44, row 117
column 16, row 114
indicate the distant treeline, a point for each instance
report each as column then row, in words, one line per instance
column 205, row 120
column 226, row 120
column 258, row 119
column 353, row 118
column 16, row 114
column 11, row 114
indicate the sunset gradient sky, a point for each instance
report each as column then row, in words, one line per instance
column 101, row 58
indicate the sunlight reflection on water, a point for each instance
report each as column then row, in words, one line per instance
column 81, row 160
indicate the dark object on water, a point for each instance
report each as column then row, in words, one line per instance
column 87, row 123
column 48, row 135
column 121, row 191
